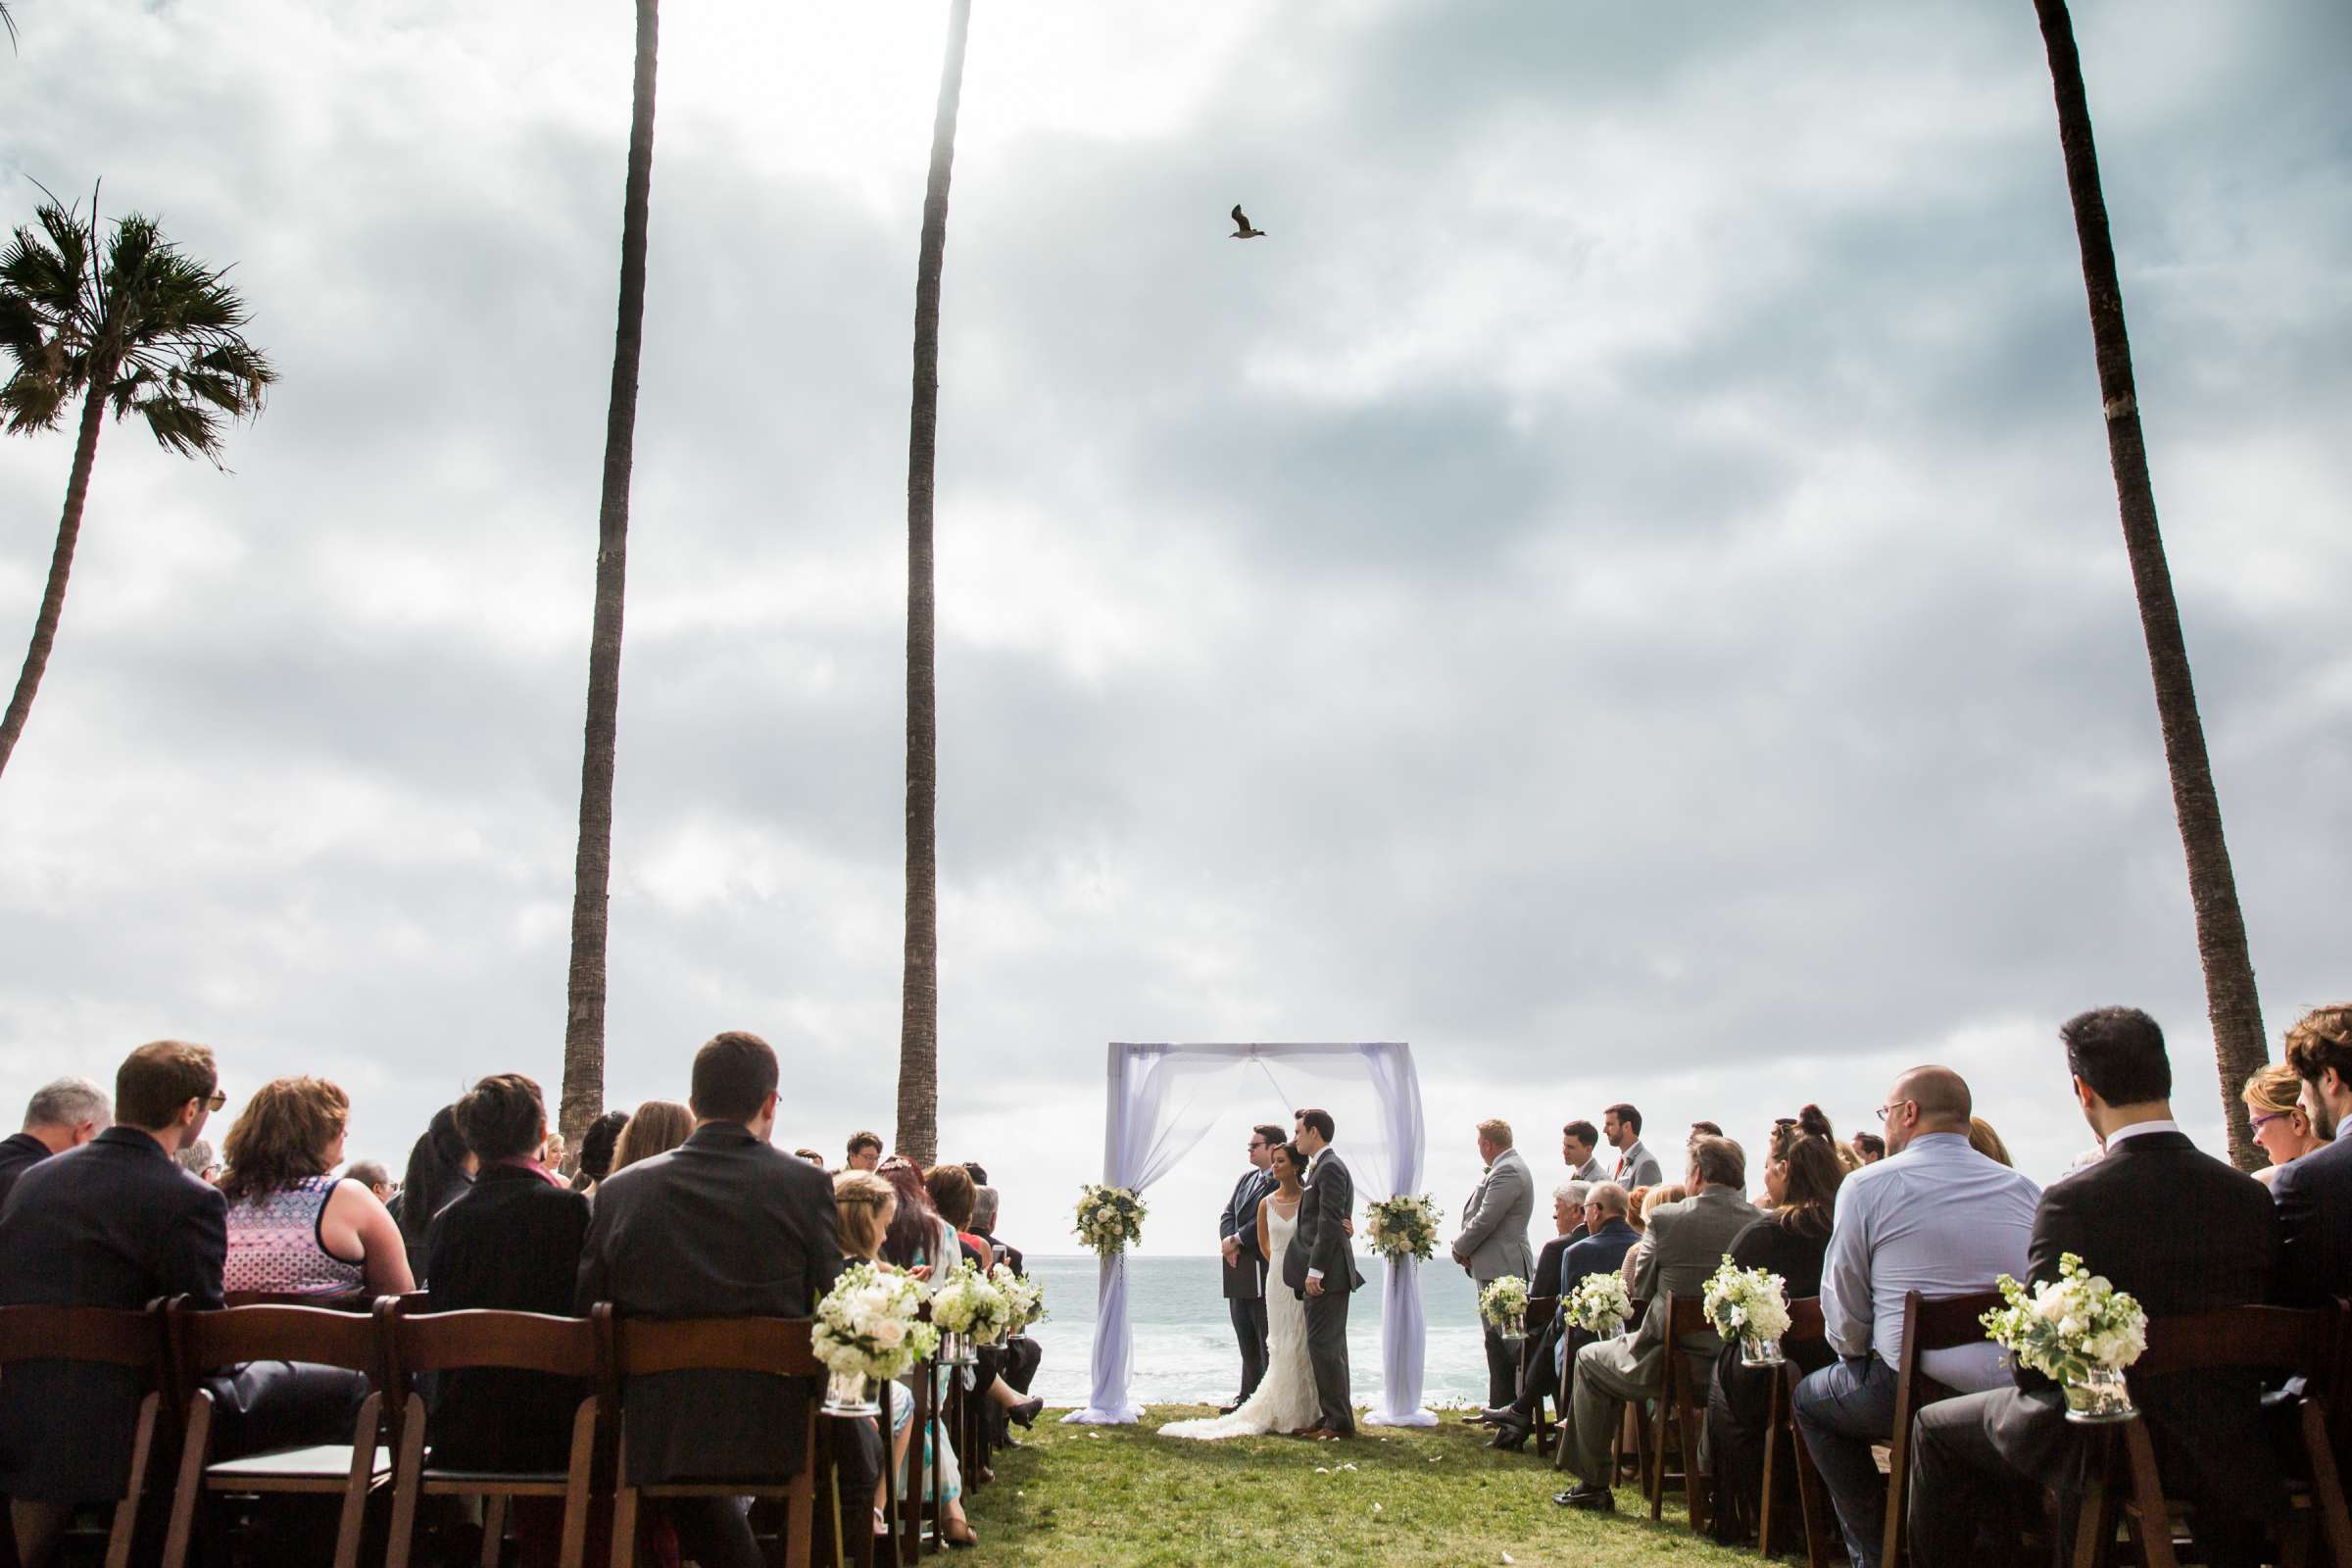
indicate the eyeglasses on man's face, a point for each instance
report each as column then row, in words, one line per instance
column 1893, row 1104
column 215, row 1099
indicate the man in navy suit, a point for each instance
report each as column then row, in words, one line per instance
column 1245, row 1267
column 62, row 1115
column 115, row 1222
column 2314, row 1193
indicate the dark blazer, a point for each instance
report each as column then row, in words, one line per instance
column 511, row 1242
column 2314, row 1195
column 2184, row 1233
column 114, row 1223
column 1545, row 1280
column 722, row 1226
column 1321, row 1242
column 1245, row 1279
column 18, row 1152
column 1601, row 1252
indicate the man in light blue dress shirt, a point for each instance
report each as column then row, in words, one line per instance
column 1936, row 1217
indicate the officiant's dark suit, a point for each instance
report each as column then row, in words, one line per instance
column 2184, row 1233
column 1321, row 1247
column 1246, row 1275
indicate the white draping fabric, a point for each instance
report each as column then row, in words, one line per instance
column 1157, row 1111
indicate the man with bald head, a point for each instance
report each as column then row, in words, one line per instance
column 1934, row 1217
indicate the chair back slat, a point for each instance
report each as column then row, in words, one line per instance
column 527, row 1342
column 2281, row 1337
column 326, row 1300
column 1949, row 1322
column 1805, row 1323
column 109, row 1335
column 779, row 1345
column 202, row 1341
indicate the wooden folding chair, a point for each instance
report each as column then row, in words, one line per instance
column 205, row 1342
column 1541, row 1309
column 107, row 1336
column 1679, row 1410
column 1781, row 1436
column 919, row 1520
column 2121, row 1474
column 529, row 1341
column 1945, row 1323
column 778, row 1346
column 336, row 1302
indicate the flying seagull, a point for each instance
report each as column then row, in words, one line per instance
column 1241, row 226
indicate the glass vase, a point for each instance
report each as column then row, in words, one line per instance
column 1513, row 1326
column 956, row 1349
column 2100, row 1395
column 850, row 1394
column 1761, row 1352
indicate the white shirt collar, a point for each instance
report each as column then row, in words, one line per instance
column 2162, row 1124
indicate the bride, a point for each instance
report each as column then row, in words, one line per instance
column 1285, row 1400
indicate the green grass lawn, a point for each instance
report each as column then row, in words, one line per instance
column 1121, row 1495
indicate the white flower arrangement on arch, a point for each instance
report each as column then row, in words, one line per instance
column 1110, row 1219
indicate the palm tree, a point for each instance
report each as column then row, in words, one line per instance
column 2231, row 1000
column 583, row 1098
column 918, row 1016
column 133, row 324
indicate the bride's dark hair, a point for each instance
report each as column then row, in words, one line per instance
column 1291, row 1153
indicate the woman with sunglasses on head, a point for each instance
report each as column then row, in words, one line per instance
column 2282, row 1126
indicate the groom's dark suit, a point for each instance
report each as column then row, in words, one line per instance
column 1321, row 1248
column 1246, row 1277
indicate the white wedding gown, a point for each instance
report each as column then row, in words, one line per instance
column 1285, row 1400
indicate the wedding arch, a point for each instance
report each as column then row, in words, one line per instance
column 1158, row 1108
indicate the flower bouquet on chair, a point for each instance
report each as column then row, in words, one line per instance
column 1503, row 1304
column 969, row 1311
column 1749, row 1305
column 2080, row 1331
column 1109, row 1218
column 869, row 1326
column 1024, row 1298
column 1599, row 1304
column 1402, row 1227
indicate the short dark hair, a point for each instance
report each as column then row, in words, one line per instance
column 1705, row 1129
column 502, row 1116
column 733, row 1076
column 1583, row 1132
column 864, row 1139
column 1272, row 1133
column 2320, row 1040
column 1871, row 1144
column 161, row 1076
column 1721, row 1161
column 1624, row 1111
column 1319, row 1121
column 976, row 1171
column 597, row 1145
column 2119, row 1052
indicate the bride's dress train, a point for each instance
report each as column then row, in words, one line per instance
column 1285, row 1400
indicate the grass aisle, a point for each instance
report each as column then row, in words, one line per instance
column 1122, row 1495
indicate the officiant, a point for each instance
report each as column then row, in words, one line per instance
column 1494, row 1241
column 1245, row 1267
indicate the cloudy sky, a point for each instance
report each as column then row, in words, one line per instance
column 1620, row 589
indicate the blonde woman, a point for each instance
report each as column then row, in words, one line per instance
column 2282, row 1126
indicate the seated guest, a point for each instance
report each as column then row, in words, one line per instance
column 1654, row 1198
column 1801, row 1178
column 2181, row 1231
column 115, row 1222
column 1578, row 1140
column 1684, row 1247
column 199, row 1160
column 2280, row 1125
column 440, row 1167
column 1984, row 1141
column 812, row 1157
column 920, row 1242
column 596, row 1151
column 61, row 1116
column 864, row 1204
column 722, row 1226
column 1936, row 1217
column 654, row 1128
column 510, row 1243
column 371, row 1175
column 1021, row 1356
column 954, row 1194
column 2314, row 1193
column 1568, row 1225
column 1597, row 1242
column 987, row 1203
column 864, row 1152
column 293, row 1229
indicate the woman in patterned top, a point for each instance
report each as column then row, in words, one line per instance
column 292, row 1228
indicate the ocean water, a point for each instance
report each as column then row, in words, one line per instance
column 1184, row 1346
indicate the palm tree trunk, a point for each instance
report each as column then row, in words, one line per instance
column 2231, row 1000
column 61, row 567
column 919, row 1019
column 584, row 1023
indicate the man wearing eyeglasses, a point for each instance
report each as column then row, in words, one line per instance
column 1244, row 1270
column 1936, row 1217
column 115, row 1222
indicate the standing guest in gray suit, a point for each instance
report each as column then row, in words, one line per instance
column 1578, row 1140
column 722, row 1226
column 1637, row 1166
column 62, row 1115
column 1684, row 1246
column 1494, row 1241
column 1245, row 1269
column 1320, row 1265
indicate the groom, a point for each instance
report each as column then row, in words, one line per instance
column 1320, row 1265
